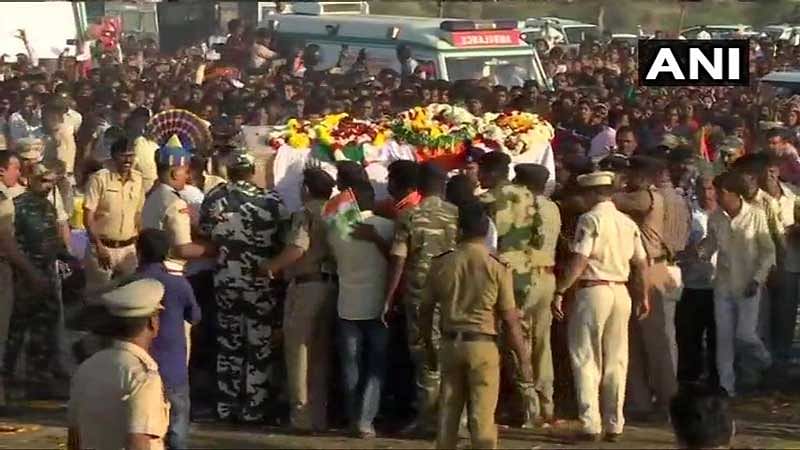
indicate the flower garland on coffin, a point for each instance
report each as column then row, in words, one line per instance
column 526, row 137
column 336, row 137
column 513, row 132
column 436, row 132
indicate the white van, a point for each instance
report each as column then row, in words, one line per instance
column 454, row 49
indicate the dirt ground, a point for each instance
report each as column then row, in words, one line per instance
column 768, row 420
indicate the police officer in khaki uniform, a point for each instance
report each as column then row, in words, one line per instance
column 653, row 351
column 113, row 204
column 308, row 314
column 606, row 247
column 164, row 209
column 473, row 290
column 117, row 397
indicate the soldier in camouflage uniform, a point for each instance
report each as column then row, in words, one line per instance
column 36, row 309
column 246, row 223
column 422, row 232
column 511, row 207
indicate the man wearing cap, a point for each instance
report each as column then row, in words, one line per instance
column 247, row 224
column 11, row 258
column 112, row 206
column 473, row 290
column 471, row 168
column 30, row 151
column 536, row 313
column 653, row 355
column 164, row 209
column 36, row 309
column 510, row 206
column 422, row 232
column 117, row 397
column 607, row 251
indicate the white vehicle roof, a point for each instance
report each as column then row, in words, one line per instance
column 557, row 21
column 719, row 27
column 781, row 77
column 418, row 31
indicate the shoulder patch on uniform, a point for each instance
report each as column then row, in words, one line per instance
column 442, row 254
column 500, row 260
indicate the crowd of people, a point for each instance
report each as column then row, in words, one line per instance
column 667, row 252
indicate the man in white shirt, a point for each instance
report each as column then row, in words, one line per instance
column 783, row 314
column 739, row 233
column 260, row 52
column 694, row 313
column 362, row 262
column 24, row 122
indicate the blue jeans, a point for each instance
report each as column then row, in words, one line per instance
column 363, row 347
column 180, row 405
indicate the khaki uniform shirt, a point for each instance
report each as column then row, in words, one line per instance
column 164, row 209
column 145, row 161
column 471, row 286
column 677, row 221
column 646, row 208
column 308, row 233
column 550, row 230
column 116, row 203
column 610, row 240
column 118, row 392
column 745, row 250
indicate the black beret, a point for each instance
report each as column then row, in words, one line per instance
column 614, row 162
column 432, row 171
column 531, row 174
column 647, row 164
column 495, row 161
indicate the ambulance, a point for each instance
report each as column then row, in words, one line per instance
column 449, row 49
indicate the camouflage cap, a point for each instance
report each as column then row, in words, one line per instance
column 30, row 148
column 241, row 158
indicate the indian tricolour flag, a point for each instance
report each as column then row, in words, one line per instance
column 341, row 213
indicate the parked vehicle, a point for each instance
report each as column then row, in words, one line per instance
column 449, row 49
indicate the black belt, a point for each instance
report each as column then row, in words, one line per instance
column 316, row 278
column 469, row 336
column 110, row 243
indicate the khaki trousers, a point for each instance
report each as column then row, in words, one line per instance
column 470, row 373
column 123, row 262
column 6, row 307
column 653, row 355
column 597, row 333
column 308, row 319
column 537, row 397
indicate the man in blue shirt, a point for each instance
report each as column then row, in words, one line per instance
column 169, row 347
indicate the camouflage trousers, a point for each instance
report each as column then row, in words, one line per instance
column 534, row 294
column 249, row 358
column 34, row 317
column 426, row 373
